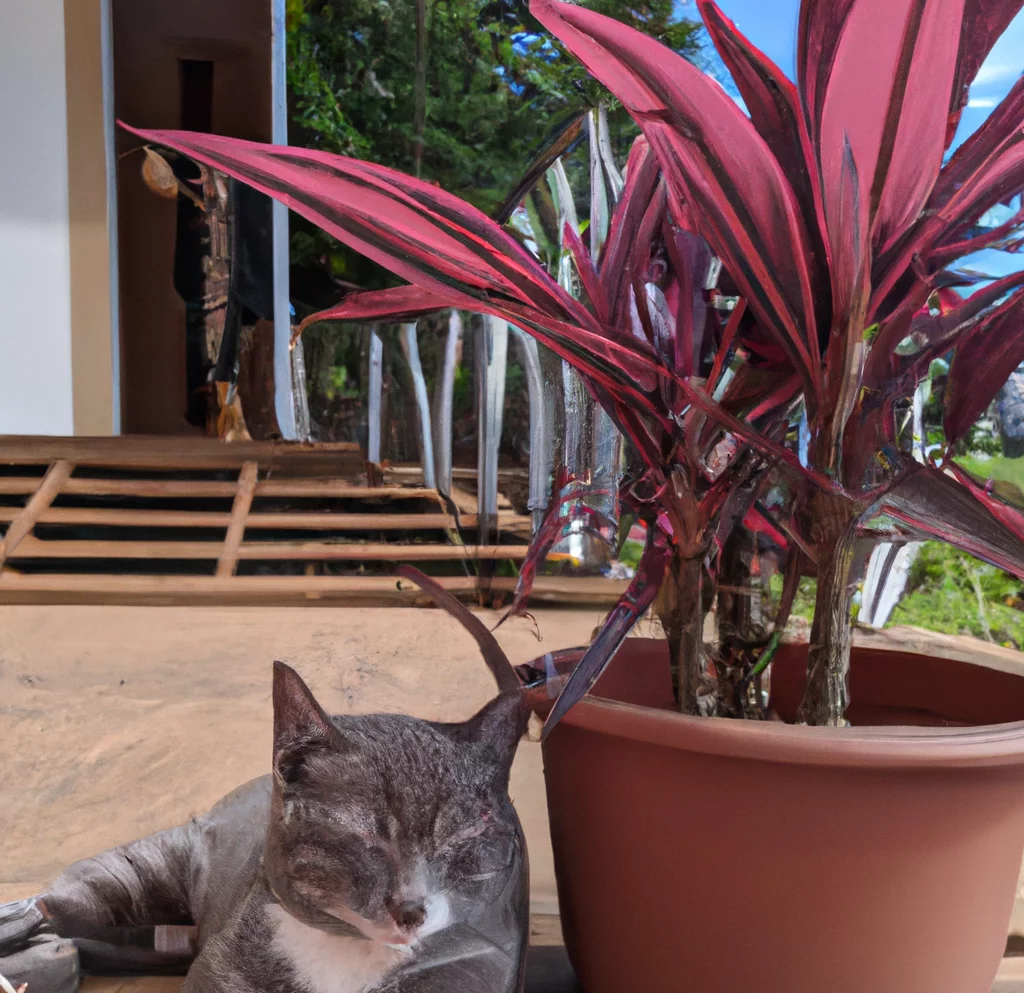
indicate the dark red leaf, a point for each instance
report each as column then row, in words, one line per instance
column 566, row 511
column 932, row 504
column 497, row 661
column 983, row 22
column 820, row 29
column 714, row 159
column 642, row 178
column 643, row 588
column 1000, row 175
column 775, row 110
column 983, row 361
column 978, row 148
column 420, row 232
column 588, row 274
column 1000, row 237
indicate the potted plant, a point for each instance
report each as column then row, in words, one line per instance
column 799, row 854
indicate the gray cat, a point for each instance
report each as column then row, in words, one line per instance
column 381, row 854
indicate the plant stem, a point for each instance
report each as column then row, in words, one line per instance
column 683, row 621
column 828, row 658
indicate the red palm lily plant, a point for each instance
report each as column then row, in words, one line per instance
column 837, row 223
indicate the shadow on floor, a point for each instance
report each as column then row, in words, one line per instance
column 548, row 971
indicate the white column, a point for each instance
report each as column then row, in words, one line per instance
column 284, row 396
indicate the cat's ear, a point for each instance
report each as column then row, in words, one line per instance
column 495, row 731
column 300, row 724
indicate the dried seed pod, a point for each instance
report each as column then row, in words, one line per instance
column 158, row 175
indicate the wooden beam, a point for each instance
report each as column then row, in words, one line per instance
column 166, row 452
column 323, row 590
column 239, row 515
column 24, row 518
column 285, row 520
column 326, row 488
column 34, row 548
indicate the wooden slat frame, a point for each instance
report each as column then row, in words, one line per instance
column 352, row 590
column 265, row 471
column 24, row 518
column 239, row 516
column 34, row 548
column 210, row 488
column 285, row 520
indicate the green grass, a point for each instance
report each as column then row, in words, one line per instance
column 942, row 596
column 998, row 467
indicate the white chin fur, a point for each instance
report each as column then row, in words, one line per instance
column 330, row 963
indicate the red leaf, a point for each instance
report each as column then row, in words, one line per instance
column 398, row 304
column 892, row 58
column 1010, row 516
column 818, row 35
column 939, row 334
column 621, row 366
column 566, row 508
column 642, row 590
column 588, row 274
column 1001, row 237
column 932, row 504
column 984, row 21
column 712, row 157
column 775, row 110
column 417, row 230
column 642, row 178
column 1000, row 175
column 983, row 361
column 978, row 148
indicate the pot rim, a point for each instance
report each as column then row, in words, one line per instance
column 894, row 747
column 988, row 745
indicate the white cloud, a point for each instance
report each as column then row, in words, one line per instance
column 982, row 102
column 996, row 72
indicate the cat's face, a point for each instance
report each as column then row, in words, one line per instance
column 385, row 825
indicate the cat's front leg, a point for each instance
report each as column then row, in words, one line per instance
column 140, row 884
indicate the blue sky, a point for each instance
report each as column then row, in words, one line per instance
column 771, row 26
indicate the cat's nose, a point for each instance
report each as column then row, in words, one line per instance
column 408, row 915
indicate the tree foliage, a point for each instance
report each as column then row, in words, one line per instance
column 497, row 85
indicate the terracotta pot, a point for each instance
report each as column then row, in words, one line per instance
column 714, row 856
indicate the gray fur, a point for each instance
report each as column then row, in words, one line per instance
column 366, row 824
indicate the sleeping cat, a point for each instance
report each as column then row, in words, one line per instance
column 381, row 854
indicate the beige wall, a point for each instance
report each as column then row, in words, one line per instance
column 91, row 310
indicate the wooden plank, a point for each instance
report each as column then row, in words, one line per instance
column 166, row 452
column 333, row 488
column 34, row 548
column 285, row 520
column 257, row 590
column 239, row 515
column 24, row 518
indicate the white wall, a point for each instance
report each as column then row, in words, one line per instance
column 35, row 279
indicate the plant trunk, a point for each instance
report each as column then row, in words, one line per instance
column 683, row 620
column 826, row 696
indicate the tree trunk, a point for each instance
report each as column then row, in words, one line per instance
column 420, row 87
column 828, row 659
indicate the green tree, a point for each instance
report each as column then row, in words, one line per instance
column 494, row 87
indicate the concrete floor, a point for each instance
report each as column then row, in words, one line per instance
column 119, row 721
